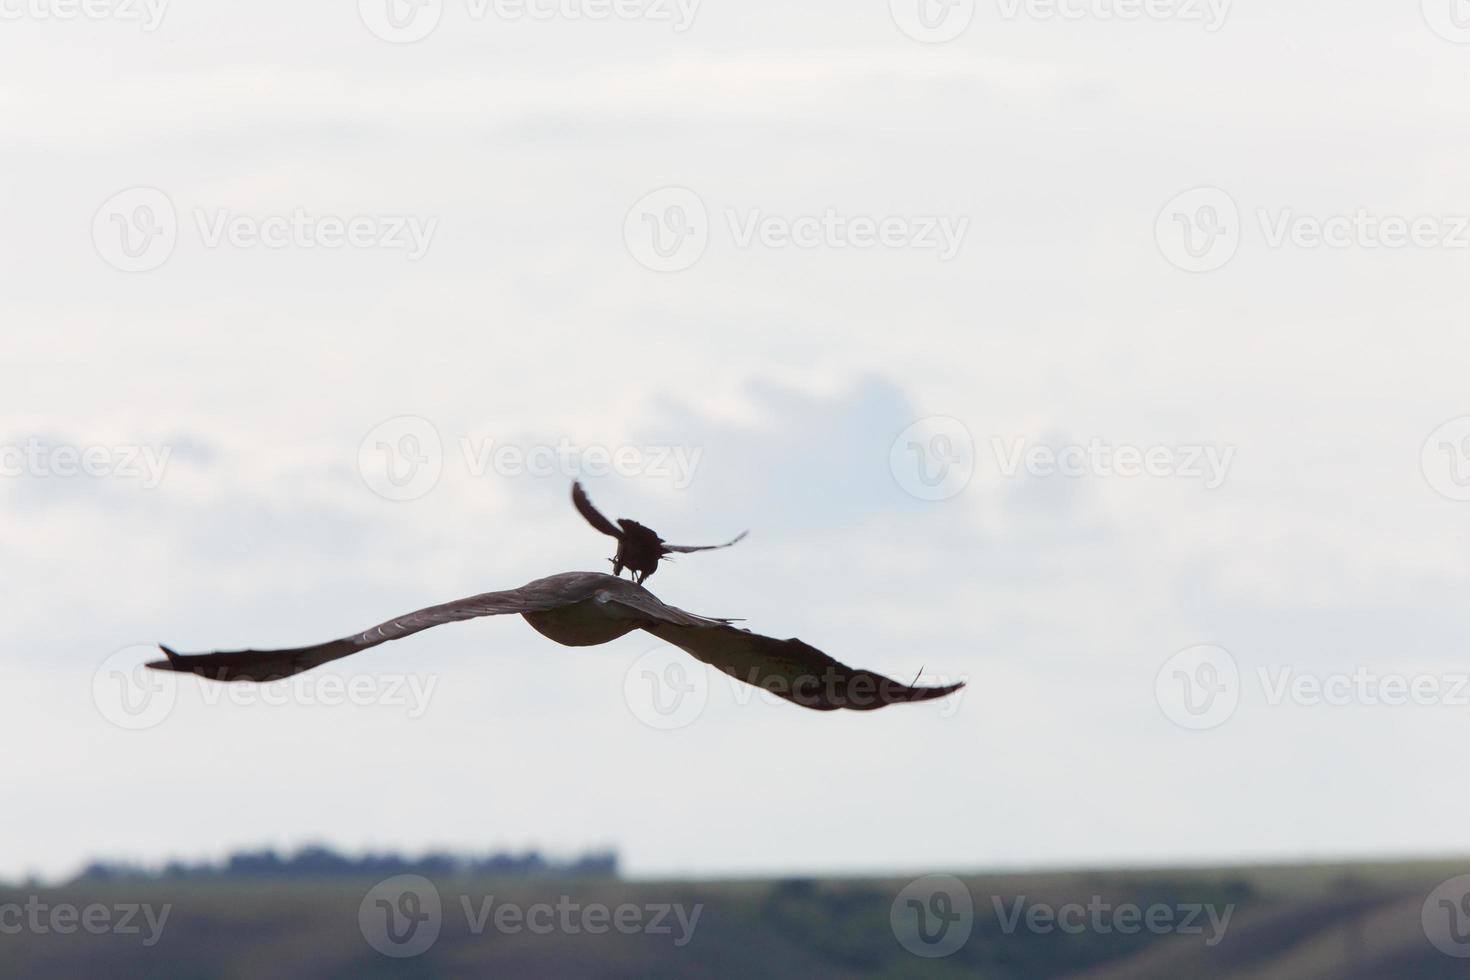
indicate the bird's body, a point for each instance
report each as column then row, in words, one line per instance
column 586, row 609
column 583, row 624
column 586, row 622
column 640, row 549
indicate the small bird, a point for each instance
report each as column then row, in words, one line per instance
column 587, row 608
column 639, row 549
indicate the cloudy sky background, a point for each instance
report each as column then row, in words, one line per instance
column 1064, row 317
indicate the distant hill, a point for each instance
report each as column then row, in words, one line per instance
column 321, row 862
column 1334, row 922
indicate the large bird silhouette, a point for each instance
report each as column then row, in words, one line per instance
column 639, row 548
column 585, row 609
column 579, row 609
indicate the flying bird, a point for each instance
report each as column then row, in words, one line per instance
column 587, row 608
column 639, row 548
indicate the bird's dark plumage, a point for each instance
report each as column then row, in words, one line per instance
column 639, row 548
column 587, row 608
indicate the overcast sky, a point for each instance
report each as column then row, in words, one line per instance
column 1111, row 363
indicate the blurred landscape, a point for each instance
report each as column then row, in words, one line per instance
column 323, row 862
column 1334, row 920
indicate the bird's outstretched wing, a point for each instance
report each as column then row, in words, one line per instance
column 585, row 508
column 791, row 669
column 686, row 548
column 794, row 670
column 264, row 665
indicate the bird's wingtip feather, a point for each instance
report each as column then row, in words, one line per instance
column 172, row 663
